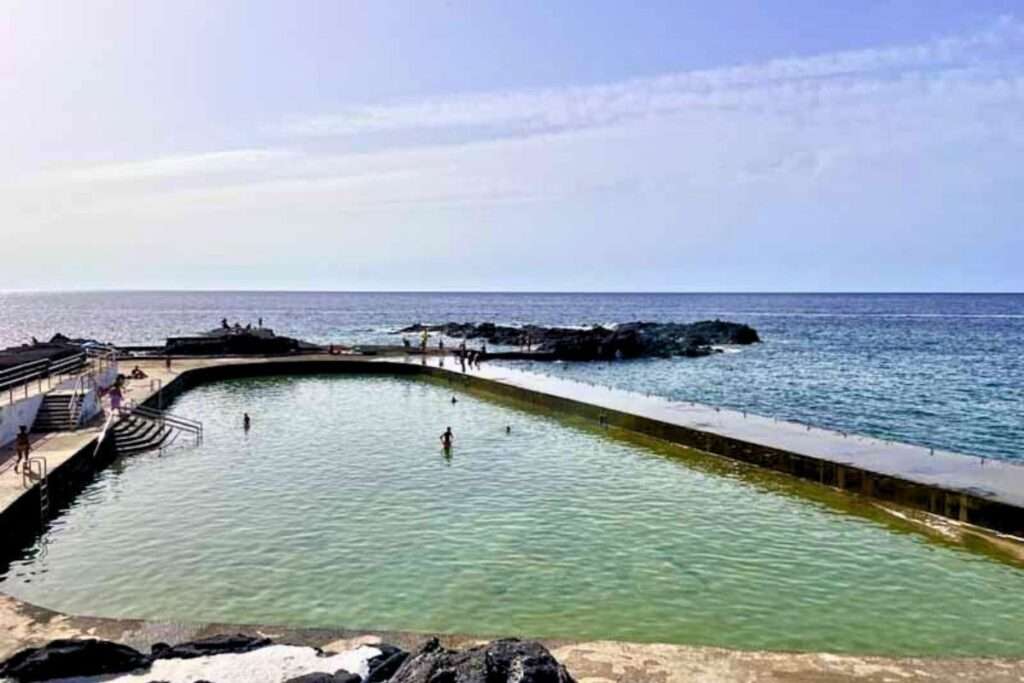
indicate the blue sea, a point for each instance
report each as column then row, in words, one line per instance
column 941, row 370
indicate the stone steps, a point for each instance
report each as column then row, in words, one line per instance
column 136, row 434
column 58, row 413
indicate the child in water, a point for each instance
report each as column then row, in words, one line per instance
column 447, row 438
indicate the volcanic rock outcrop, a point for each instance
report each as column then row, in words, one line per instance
column 626, row 340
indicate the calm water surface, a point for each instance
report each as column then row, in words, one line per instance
column 941, row 370
column 340, row 508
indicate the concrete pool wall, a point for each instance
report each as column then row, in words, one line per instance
column 960, row 498
column 938, row 483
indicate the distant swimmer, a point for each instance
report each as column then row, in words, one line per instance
column 454, row 401
column 508, row 429
column 246, row 421
column 447, row 438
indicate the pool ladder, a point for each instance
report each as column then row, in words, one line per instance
column 36, row 469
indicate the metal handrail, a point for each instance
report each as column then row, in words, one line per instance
column 33, row 368
column 27, row 472
column 183, row 422
column 22, row 375
column 106, row 356
column 80, row 389
column 194, row 427
column 59, row 367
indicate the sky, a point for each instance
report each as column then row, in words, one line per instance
column 736, row 145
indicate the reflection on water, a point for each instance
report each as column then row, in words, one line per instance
column 339, row 508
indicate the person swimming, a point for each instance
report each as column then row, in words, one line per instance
column 447, row 438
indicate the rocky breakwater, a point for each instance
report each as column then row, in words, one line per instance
column 622, row 341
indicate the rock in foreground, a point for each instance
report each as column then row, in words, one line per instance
column 67, row 658
column 234, row 658
column 627, row 340
column 501, row 661
column 206, row 647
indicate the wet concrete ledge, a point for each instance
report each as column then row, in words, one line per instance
column 26, row 625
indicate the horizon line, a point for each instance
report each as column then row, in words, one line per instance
column 115, row 290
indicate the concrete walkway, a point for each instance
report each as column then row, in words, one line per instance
column 996, row 480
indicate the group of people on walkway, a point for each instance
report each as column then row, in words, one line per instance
column 466, row 356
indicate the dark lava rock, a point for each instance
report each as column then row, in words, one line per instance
column 627, row 340
column 315, row 677
column 384, row 665
column 214, row 645
column 339, row 676
column 236, row 341
column 66, row 658
column 501, row 661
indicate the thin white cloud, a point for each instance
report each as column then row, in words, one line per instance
column 987, row 56
column 185, row 165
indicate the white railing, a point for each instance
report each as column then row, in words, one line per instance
column 83, row 384
column 102, row 357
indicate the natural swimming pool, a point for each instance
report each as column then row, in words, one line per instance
column 340, row 508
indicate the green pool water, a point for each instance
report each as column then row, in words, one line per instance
column 339, row 508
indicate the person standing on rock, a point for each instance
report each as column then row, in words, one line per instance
column 22, row 447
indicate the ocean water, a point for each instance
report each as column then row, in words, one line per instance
column 338, row 510
column 941, row 370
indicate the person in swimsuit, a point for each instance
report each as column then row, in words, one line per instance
column 22, row 447
column 447, row 438
column 246, row 421
column 116, row 397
